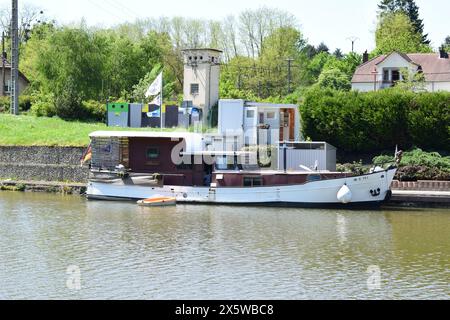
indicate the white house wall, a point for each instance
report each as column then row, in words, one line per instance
column 231, row 117
column 437, row 86
column 363, row 87
column 394, row 61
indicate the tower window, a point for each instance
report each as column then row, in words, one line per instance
column 195, row 88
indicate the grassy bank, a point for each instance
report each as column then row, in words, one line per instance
column 41, row 131
column 34, row 131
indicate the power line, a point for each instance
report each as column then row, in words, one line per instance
column 104, row 9
column 123, row 10
column 126, row 8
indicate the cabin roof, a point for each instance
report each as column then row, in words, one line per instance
column 194, row 141
column 144, row 134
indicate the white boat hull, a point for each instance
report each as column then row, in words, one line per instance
column 367, row 189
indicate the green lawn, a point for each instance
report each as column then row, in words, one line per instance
column 33, row 131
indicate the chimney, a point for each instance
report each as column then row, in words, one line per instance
column 442, row 53
column 365, row 57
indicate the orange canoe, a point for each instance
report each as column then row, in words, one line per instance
column 158, row 202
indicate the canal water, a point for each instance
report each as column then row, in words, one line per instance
column 64, row 247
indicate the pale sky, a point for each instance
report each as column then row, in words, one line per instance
column 331, row 21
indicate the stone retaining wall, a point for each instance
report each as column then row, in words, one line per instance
column 42, row 163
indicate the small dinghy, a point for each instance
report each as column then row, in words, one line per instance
column 158, row 202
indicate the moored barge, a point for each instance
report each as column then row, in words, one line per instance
column 140, row 165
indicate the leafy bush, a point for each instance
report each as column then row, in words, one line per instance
column 418, row 157
column 94, row 110
column 429, row 120
column 68, row 103
column 419, row 165
column 364, row 122
column 355, row 167
column 334, row 79
column 24, row 103
column 43, row 105
column 414, row 173
column 5, row 104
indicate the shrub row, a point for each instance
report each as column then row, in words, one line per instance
column 45, row 105
column 24, row 103
column 364, row 122
column 420, row 165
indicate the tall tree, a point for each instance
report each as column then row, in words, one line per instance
column 338, row 53
column 395, row 32
column 29, row 18
column 410, row 8
column 322, row 47
column 310, row 51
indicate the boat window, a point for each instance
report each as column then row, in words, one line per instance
column 314, row 177
column 250, row 114
column 152, row 153
column 253, row 182
column 271, row 115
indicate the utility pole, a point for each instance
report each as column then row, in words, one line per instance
column 3, row 65
column 289, row 75
column 15, row 58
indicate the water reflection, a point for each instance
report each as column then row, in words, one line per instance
column 341, row 228
column 201, row 252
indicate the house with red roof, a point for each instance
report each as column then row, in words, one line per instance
column 386, row 70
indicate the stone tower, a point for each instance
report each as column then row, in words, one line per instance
column 201, row 79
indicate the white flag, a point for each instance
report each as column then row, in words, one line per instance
column 156, row 87
column 156, row 101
